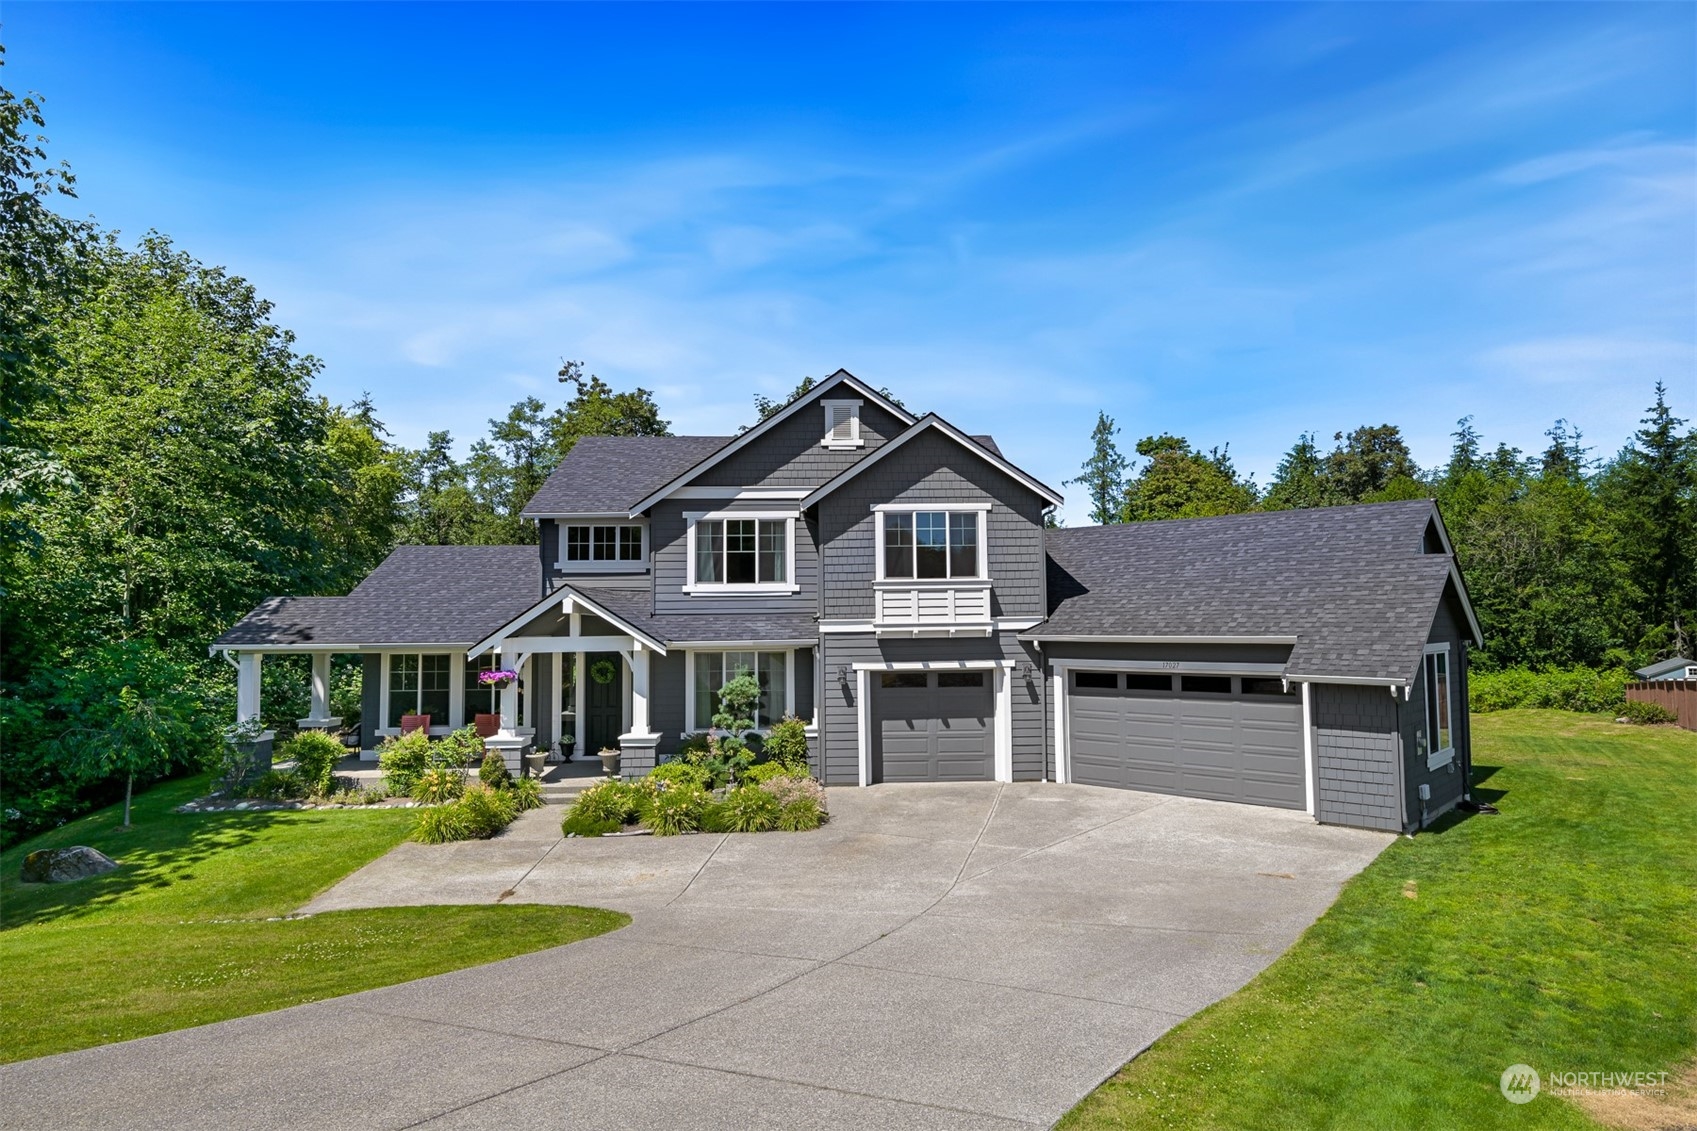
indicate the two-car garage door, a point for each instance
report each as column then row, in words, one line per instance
column 1231, row 738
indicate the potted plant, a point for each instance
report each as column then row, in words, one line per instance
column 498, row 679
column 610, row 760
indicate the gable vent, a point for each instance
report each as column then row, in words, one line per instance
column 842, row 424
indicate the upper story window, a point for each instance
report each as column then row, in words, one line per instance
column 930, row 544
column 596, row 545
column 842, row 425
column 742, row 553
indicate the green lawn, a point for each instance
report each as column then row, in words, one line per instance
column 185, row 932
column 1561, row 934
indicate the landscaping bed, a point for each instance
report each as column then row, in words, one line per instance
column 194, row 926
column 1558, row 934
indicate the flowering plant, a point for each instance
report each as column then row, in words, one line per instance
column 500, row 675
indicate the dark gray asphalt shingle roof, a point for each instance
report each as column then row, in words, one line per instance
column 1349, row 582
column 634, row 605
column 457, row 595
column 606, row 474
column 419, row 595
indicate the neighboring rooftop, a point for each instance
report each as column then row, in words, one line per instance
column 1662, row 668
column 607, row 474
column 1350, row 583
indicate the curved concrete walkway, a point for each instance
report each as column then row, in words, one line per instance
column 939, row 956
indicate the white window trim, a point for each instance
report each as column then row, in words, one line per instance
column 563, row 565
column 456, row 690
column 1438, row 759
column 856, row 440
column 693, row 725
column 695, row 588
column 983, row 574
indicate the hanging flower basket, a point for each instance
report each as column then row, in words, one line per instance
column 602, row 671
column 498, row 678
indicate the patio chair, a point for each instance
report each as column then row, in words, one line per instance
column 410, row 723
column 487, row 726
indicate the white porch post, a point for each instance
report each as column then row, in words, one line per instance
column 580, row 704
column 247, row 685
column 556, row 697
column 510, row 694
column 318, row 718
column 639, row 690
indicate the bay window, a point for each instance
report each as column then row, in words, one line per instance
column 712, row 670
column 732, row 552
column 928, row 545
column 418, row 685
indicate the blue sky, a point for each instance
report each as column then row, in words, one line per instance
column 1231, row 223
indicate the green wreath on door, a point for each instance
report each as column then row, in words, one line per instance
column 603, row 671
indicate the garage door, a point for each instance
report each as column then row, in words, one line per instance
column 932, row 726
column 1231, row 738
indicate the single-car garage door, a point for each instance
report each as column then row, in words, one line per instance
column 1231, row 738
column 932, row 726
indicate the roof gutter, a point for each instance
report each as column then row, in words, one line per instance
column 1046, row 638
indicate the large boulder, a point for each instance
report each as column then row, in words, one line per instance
column 62, row 865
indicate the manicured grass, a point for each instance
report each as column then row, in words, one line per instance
column 1561, row 934
column 186, row 931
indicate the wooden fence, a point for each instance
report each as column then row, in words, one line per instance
column 1677, row 695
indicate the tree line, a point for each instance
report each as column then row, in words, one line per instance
column 1569, row 559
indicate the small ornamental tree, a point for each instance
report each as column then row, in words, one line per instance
column 737, row 700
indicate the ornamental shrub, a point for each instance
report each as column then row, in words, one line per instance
column 673, row 808
column 1647, row 714
column 685, row 773
column 787, row 790
column 459, row 750
column 786, row 743
column 403, row 758
column 800, row 815
column 769, row 771
column 527, row 794
column 748, row 809
column 493, row 772
column 438, row 785
column 486, row 811
column 615, row 801
column 315, row 755
column 277, row 785
column 441, row 824
column 576, row 824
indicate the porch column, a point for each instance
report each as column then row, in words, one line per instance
column 318, row 718
column 510, row 694
column 639, row 690
column 247, row 685
column 580, row 705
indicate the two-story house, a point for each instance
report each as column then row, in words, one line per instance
column 889, row 579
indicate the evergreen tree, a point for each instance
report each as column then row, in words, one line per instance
column 1104, row 473
column 1365, row 463
column 1178, row 482
column 1650, row 489
column 1300, row 479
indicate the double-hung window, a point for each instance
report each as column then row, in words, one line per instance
column 418, row 685
column 729, row 553
column 929, row 545
column 712, row 670
column 584, row 546
column 1440, row 741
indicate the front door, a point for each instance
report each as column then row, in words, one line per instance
column 606, row 701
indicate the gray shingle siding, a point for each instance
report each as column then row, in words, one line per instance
column 1449, row 782
column 668, row 530
column 932, row 469
column 791, row 455
column 370, row 699
column 1356, row 750
column 840, row 716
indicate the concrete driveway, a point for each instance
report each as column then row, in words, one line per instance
column 939, row 956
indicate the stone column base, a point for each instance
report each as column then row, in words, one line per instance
column 637, row 754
